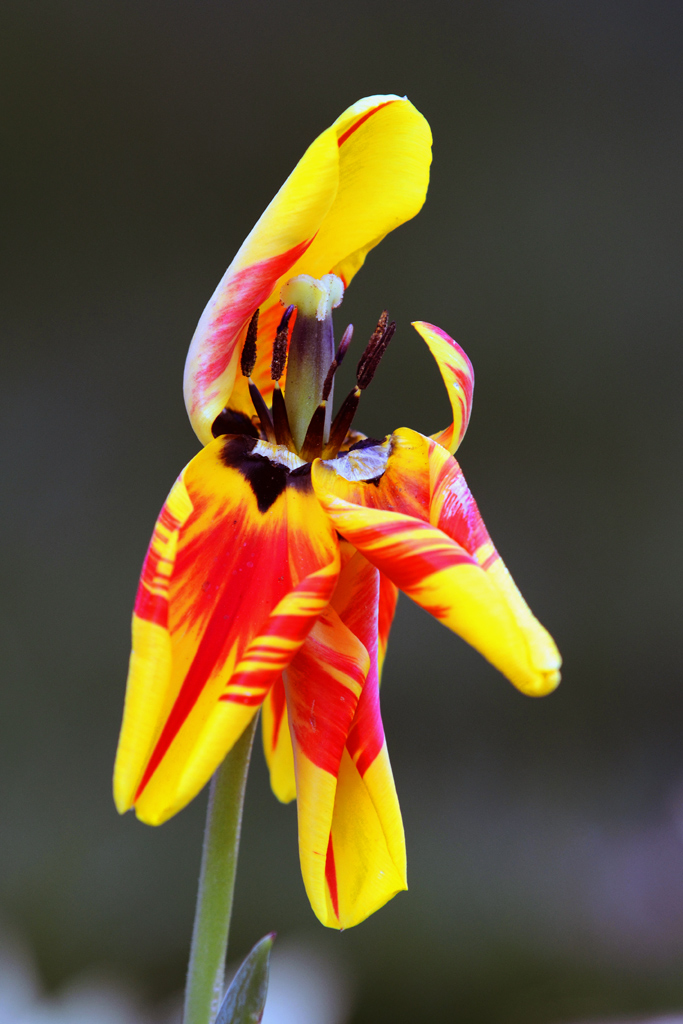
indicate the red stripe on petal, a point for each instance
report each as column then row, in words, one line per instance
column 277, row 700
column 408, row 564
column 459, row 517
column 248, row 289
column 321, row 710
column 366, row 735
column 358, row 600
column 151, row 602
column 361, row 120
column 331, row 877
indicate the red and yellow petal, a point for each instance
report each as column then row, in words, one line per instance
column 388, row 597
column 277, row 743
column 241, row 562
column 405, row 522
column 365, row 863
column 322, row 684
column 458, row 376
column 351, row 837
column 361, row 178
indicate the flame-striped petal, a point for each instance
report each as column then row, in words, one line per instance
column 241, row 563
column 361, row 178
column 417, row 522
column 458, row 376
column 367, row 852
column 388, row 597
column 277, row 743
column 351, row 843
column 322, row 684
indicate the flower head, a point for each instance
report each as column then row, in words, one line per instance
column 273, row 571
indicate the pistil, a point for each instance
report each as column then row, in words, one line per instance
column 311, row 350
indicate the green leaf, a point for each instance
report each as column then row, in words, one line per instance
column 245, row 999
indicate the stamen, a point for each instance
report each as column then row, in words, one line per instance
column 376, row 348
column 342, row 422
column 262, row 411
column 283, row 434
column 365, row 371
column 313, row 442
column 337, row 361
column 248, row 363
column 249, row 350
column 277, row 366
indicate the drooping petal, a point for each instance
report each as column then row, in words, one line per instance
column 365, row 863
column 348, row 808
column 418, row 523
column 241, row 562
column 458, row 376
column 367, row 848
column 322, row 684
column 361, row 178
column 277, row 743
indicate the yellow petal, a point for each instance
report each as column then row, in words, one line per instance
column 277, row 744
column 361, row 178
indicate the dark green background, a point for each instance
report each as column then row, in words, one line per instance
column 141, row 141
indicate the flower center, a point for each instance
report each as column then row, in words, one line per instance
column 300, row 420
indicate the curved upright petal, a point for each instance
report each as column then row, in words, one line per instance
column 458, row 376
column 241, row 562
column 365, row 175
column 418, row 523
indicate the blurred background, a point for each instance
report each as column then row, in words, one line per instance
column 142, row 139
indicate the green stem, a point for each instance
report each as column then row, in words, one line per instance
column 217, row 883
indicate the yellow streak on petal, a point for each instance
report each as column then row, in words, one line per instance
column 279, row 758
column 315, row 802
column 149, row 693
column 368, row 841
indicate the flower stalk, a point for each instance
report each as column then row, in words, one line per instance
column 206, row 968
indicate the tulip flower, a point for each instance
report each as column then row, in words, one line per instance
column 272, row 575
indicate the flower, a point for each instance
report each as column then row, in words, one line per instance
column 272, row 575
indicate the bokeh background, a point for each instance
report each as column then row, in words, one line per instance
column 141, row 141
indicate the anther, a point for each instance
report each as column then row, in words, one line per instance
column 277, row 366
column 249, row 350
column 283, row 434
column 337, row 361
column 313, row 442
column 341, row 423
column 376, row 348
column 248, row 363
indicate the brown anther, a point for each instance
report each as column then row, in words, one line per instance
column 313, row 442
column 376, row 348
column 283, row 434
column 341, row 423
column 337, row 361
column 262, row 411
column 277, row 366
column 249, row 351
